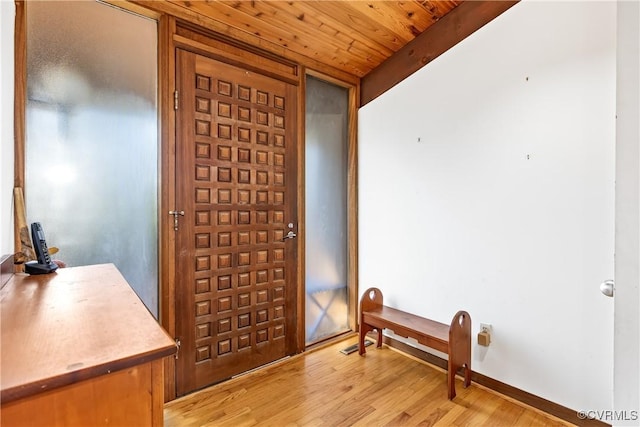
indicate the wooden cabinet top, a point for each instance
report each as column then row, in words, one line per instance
column 72, row 325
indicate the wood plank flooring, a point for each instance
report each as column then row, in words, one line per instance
column 324, row 387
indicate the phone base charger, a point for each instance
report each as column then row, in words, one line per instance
column 33, row 267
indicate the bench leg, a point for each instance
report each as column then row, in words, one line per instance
column 451, row 379
column 451, row 382
column 363, row 333
column 467, row 376
column 364, row 329
column 459, row 351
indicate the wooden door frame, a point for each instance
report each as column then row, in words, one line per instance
column 167, row 192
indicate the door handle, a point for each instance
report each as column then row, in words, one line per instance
column 290, row 235
column 175, row 218
column 607, row 287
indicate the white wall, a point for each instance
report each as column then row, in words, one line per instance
column 505, row 207
column 627, row 269
column 7, row 16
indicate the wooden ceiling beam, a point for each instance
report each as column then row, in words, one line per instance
column 454, row 27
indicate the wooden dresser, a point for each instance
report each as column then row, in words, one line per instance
column 79, row 348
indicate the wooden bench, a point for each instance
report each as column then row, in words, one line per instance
column 454, row 339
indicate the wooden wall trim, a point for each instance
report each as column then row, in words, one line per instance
column 562, row 412
column 256, row 57
column 134, row 8
column 352, row 214
column 454, row 27
column 302, row 220
column 246, row 60
column 167, row 191
column 19, row 102
column 20, row 92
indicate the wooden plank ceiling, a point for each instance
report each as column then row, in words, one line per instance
column 351, row 36
column 376, row 43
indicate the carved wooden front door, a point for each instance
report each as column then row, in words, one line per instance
column 236, row 270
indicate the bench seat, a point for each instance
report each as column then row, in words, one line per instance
column 453, row 339
column 426, row 331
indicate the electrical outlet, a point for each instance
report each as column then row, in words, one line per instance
column 484, row 336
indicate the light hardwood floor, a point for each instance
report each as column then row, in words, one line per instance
column 323, row 387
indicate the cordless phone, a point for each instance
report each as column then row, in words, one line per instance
column 44, row 264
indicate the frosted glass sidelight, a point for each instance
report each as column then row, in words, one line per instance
column 326, row 152
column 92, row 141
